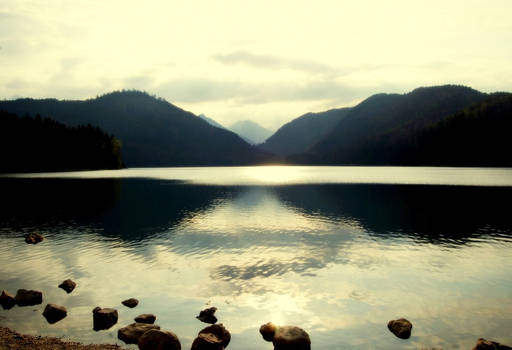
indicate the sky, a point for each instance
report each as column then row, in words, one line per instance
column 265, row 61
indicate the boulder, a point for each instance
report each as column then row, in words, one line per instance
column 207, row 315
column 28, row 297
column 401, row 328
column 54, row 313
column 145, row 318
column 220, row 332
column 291, row 338
column 68, row 285
column 131, row 333
column 155, row 339
column 33, row 238
column 7, row 300
column 207, row 341
column 104, row 318
column 483, row 344
column 132, row 302
column 268, row 330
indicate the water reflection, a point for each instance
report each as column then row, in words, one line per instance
column 339, row 260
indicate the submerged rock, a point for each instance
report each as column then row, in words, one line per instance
column 401, row 328
column 145, row 318
column 286, row 337
column 28, row 297
column 7, row 300
column 131, row 333
column 68, row 285
column 132, row 302
column 483, row 344
column 207, row 315
column 54, row 313
column 220, row 332
column 104, row 318
column 33, row 238
column 155, row 339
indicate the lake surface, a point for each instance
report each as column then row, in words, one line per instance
column 338, row 251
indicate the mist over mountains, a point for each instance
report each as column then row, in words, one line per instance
column 441, row 125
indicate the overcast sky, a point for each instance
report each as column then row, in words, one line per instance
column 267, row 61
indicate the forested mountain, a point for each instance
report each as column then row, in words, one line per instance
column 299, row 135
column 250, row 131
column 477, row 136
column 37, row 144
column 211, row 121
column 153, row 131
column 374, row 132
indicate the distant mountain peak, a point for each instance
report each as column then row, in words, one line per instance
column 251, row 131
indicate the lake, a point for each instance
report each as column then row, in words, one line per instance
column 338, row 251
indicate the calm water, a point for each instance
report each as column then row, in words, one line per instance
column 338, row 251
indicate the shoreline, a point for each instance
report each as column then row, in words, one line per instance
column 12, row 340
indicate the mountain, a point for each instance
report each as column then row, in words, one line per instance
column 299, row 135
column 476, row 136
column 371, row 131
column 211, row 121
column 250, row 131
column 37, row 144
column 153, row 132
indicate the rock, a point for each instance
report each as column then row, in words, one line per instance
column 401, row 328
column 132, row 302
column 207, row 341
column 7, row 300
column 145, row 318
column 68, row 285
column 207, row 315
column 28, row 297
column 268, row 330
column 155, row 339
column 131, row 333
column 33, row 238
column 483, row 344
column 220, row 332
column 291, row 338
column 54, row 313
column 103, row 318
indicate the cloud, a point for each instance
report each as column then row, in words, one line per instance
column 207, row 90
column 275, row 62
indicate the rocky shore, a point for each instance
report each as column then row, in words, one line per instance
column 12, row 340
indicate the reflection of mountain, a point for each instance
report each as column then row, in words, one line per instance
column 126, row 209
column 436, row 214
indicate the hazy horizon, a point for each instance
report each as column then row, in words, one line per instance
column 266, row 62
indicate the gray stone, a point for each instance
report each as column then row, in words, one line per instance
column 54, row 313
column 207, row 315
column 155, row 339
column 207, row 341
column 268, row 330
column 33, row 238
column 145, row 318
column 68, row 285
column 401, row 328
column 131, row 333
column 104, row 318
column 132, row 302
column 7, row 300
column 28, row 297
column 483, row 344
column 291, row 338
column 220, row 332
